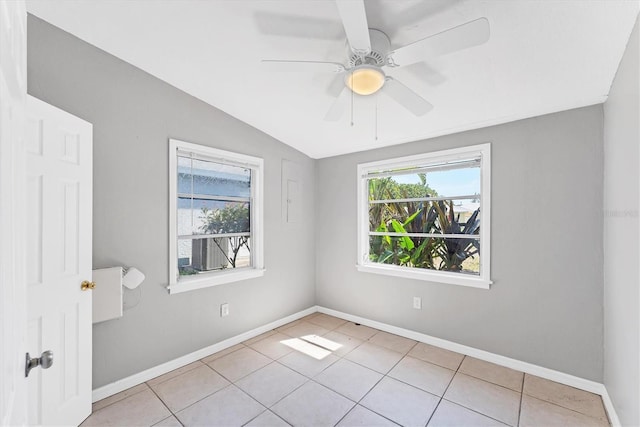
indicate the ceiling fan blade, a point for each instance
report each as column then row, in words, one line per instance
column 337, row 108
column 467, row 35
column 406, row 97
column 354, row 20
column 302, row 66
column 336, row 85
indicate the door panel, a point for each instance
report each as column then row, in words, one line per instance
column 13, row 320
column 59, row 165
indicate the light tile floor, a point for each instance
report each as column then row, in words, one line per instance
column 325, row 371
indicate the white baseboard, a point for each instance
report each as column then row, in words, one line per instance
column 529, row 368
column 133, row 380
column 611, row 410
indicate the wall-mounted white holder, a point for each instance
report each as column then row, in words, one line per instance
column 132, row 278
column 108, row 293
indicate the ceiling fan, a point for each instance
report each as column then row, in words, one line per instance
column 370, row 53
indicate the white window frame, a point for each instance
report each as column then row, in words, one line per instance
column 179, row 283
column 457, row 154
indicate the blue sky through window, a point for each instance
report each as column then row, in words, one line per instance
column 456, row 182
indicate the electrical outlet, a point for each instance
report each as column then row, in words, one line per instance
column 224, row 309
column 417, row 303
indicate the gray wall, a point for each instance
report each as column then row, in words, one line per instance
column 133, row 116
column 621, row 233
column 545, row 306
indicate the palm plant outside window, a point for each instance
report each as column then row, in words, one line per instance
column 426, row 216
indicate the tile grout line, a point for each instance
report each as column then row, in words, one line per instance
column 462, row 406
column 165, row 405
column 311, row 379
column 116, row 401
column 445, row 390
column 308, row 379
column 296, row 388
column 564, row 407
column 521, row 397
column 267, row 410
column 379, row 381
column 476, row 411
column 368, row 340
column 250, row 397
column 572, row 410
column 487, row 381
column 181, row 373
column 480, row 379
column 216, row 392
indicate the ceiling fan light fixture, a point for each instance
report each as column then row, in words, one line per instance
column 365, row 79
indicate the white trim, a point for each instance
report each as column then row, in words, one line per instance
column 135, row 379
column 206, row 280
column 434, row 276
column 529, row 368
column 483, row 151
column 215, row 154
column 422, row 159
column 173, row 211
column 434, row 235
column 424, row 199
column 184, row 283
column 211, row 236
column 610, row 408
column 215, row 198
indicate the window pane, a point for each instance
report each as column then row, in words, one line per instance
column 212, row 179
column 437, row 183
column 202, row 255
column 203, row 216
column 405, row 186
column 437, row 217
column 460, row 255
column 455, row 182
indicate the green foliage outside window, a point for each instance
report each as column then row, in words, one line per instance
column 434, row 217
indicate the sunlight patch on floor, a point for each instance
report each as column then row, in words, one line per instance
column 322, row 342
column 312, row 345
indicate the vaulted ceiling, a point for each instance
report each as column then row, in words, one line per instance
column 541, row 57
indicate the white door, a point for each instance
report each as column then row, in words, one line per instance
column 13, row 92
column 58, row 257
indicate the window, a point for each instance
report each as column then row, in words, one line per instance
column 427, row 216
column 215, row 216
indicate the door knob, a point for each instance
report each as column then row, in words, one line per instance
column 87, row 285
column 44, row 361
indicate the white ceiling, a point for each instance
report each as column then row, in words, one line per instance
column 543, row 56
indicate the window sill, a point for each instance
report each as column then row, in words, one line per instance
column 431, row 276
column 201, row 281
